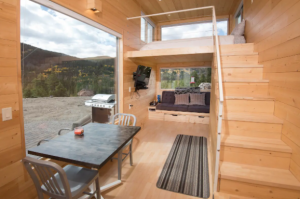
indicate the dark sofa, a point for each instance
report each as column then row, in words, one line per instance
column 168, row 100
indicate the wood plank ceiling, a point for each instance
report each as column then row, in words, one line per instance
column 223, row 7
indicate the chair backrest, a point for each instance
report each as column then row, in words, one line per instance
column 42, row 173
column 123, row 119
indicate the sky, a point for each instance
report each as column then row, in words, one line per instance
column 53, row 31
column 193, row 30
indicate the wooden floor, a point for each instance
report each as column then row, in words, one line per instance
column 151, row 147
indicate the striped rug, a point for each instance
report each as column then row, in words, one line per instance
column 186, row 168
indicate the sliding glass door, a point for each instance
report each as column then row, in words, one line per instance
column 64, row 63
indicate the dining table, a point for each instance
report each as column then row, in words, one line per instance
column 98, row 145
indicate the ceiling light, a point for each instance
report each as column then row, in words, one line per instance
column 94, row 5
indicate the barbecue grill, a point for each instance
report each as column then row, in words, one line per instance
column 103, row 107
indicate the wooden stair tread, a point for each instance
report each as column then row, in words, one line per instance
column 241, row 66
column 259, row 175
column 252, row 117
column 256, row 98
column 246, row 80
column 255, row 143
column 239, row 53
column 220, row 195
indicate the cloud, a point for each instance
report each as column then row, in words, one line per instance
column 192, row 30
column 53, row 31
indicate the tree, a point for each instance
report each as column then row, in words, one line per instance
column 52, row 82
column 27, row 93
column 208, row 75
column 60, row 90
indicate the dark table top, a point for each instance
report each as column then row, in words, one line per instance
column 99, row 144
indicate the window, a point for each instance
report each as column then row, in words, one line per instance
column 170, row 78
column 147, row 31
column 239, row 15
column 195, row 30
column 143, row 29
column 64, row 63
column 150, row 33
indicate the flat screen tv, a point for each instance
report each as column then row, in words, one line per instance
column 142, row 77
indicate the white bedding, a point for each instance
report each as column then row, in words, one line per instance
column 181, row 43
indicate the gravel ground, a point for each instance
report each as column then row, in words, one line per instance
column 44, row 117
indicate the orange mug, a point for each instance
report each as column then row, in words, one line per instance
column 78, row 131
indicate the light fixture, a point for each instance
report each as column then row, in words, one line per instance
column 94, row 5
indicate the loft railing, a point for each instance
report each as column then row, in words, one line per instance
column 220, row 81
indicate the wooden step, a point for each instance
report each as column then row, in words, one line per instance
column 242, row 73
column 251, row 106
column 256, row 98
column 239, row 60
column 245, row 80
column 252, row 129
column 255, row 157
column 253, row 117
column 250, row 89
column 237, row 53
column 220, row 195
column 241, row 66
column 258, row 175
column 245, row 48
column 255, row 143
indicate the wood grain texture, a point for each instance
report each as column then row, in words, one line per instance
column 151, row 147
column 153, row 6
column 273, row 27
column 256, row 191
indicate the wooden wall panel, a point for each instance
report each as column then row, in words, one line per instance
column 14, row 180
column 274, row 28
column 12, row 145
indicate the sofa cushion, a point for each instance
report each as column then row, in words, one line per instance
column 197, row 99
column 239, row 29
column 198, row 108
column 207, row 98
column 172, row 107
column 168, row 97
column 182, row 99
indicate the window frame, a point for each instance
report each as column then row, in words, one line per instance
column 239, row 13
column 119, row 43
column 147, row 22
column 179, row 67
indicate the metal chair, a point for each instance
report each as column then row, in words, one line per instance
column 83, row 121
column 124, row 120
column 69, row 182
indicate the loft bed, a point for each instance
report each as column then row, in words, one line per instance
column 186, row 50
column 194, row 42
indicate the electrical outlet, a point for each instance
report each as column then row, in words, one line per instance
column 6, row 114
column 129, row 89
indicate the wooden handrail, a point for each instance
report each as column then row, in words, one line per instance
column 221, row 99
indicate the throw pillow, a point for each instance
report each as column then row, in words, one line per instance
column 197, row 99
column 239, row 29
column 182, row 99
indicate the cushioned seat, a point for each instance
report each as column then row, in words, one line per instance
column 172, row 107
column 168, row 104
column 198, row 108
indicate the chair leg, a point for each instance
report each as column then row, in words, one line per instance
column 120, row 165
column 98, row 189
column 130, row 153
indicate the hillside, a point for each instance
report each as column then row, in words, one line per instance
column 46, row 73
